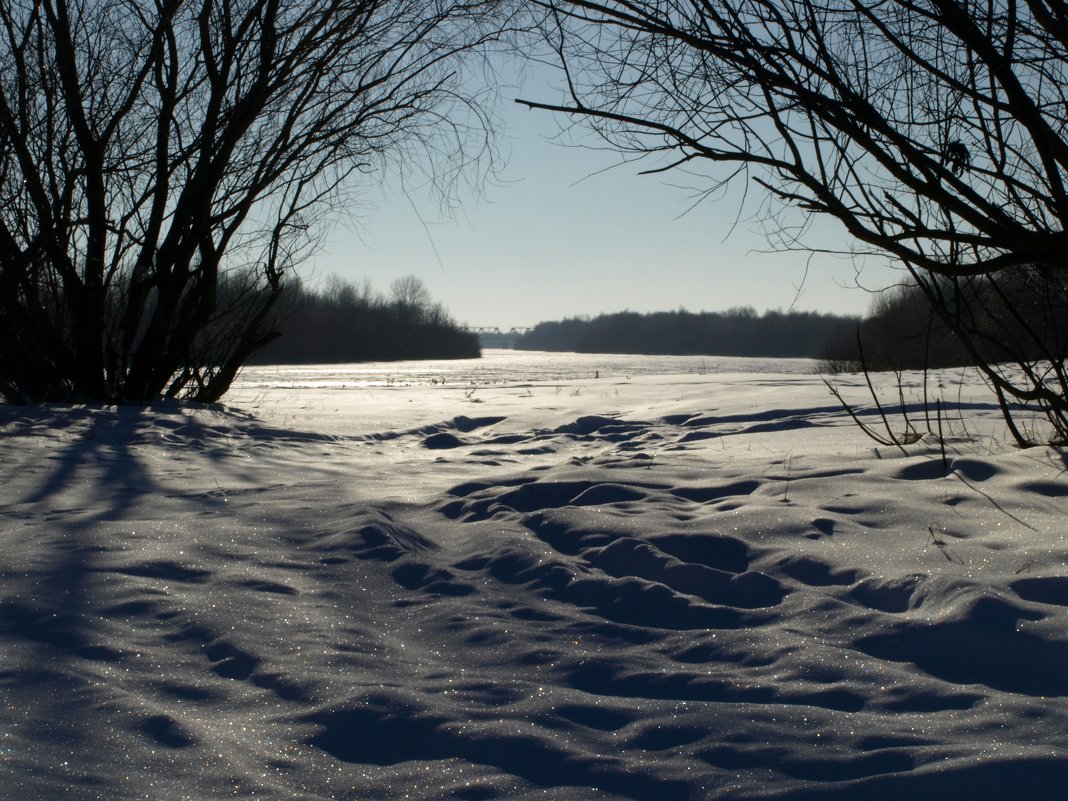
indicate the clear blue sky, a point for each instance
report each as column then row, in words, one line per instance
column 554, row 236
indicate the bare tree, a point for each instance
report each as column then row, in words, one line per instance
column 411, row 298
column 165, row 163
column 935, row 131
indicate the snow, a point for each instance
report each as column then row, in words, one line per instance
column 531, row 577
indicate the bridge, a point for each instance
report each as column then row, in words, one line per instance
column 494, row 337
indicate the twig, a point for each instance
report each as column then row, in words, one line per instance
column 849, row 410
column 941, row 439
column 875, row 397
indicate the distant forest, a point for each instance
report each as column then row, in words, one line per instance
column 1004, row 318
column 736, row 332
column 900, row 331
column 345, row 322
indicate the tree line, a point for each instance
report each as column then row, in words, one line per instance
column 736, row 332
column 1019, row 318
column 348, row 322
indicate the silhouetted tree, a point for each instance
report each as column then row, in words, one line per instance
column 411, row 298
column 935, row 131
column 165, row 163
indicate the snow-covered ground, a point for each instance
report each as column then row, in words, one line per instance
column 531, row 577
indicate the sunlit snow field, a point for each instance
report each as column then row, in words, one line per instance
column 531, row 576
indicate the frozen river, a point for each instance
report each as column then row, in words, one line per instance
column 513, row 367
